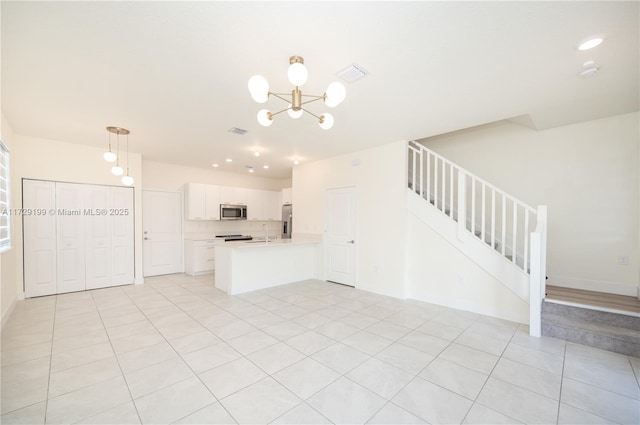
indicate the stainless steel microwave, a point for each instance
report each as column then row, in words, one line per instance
column 233, row 212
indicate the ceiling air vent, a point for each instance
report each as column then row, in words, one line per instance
column 352, row 73
column 238, row 131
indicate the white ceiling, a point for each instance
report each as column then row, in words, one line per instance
column 175, row 73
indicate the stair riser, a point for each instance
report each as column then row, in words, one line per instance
column 595, row 316
column 580, row 336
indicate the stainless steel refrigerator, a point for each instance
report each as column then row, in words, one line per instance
column 287, row 221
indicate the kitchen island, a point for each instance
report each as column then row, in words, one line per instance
column 251, row 265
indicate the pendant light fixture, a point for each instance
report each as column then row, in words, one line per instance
column 297, row 74
column 117, row 170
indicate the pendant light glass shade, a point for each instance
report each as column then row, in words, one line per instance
column 259, row 88
column 264, row 117
column 127, row 180
column 297, row 74
column 326, row 121
column 294, row 114
column 117, row 170
column 336, row 93
column 110, row 156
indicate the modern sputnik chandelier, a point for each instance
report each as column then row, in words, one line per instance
column 298, row 74
column 112, row 157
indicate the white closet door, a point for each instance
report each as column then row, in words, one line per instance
column 39, row 238
column 122, row 236
column 70, row 203
column 98, row 237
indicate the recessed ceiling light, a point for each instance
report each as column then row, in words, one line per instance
column 215, row 165
column 251, row 170
column 256, row 153
column 229, row 160
column 265, row 166
column 590, row 43
column 588, row 64
column 296, row 162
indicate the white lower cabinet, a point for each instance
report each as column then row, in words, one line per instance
column 76, row 237
column 200, row 257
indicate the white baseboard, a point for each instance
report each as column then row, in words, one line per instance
column 7, row 314
column 138, row 281
column 472, row 307
column 617, row 288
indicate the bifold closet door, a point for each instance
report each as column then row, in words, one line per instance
column 77, row 237
column 122, row 248
column 71, row 205
column 98, row 237
column 39, row 233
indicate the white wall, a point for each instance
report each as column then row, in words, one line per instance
column 43, row 159
column 586, row 173
column 381, row 184
column 437, row 272
column 8, row 260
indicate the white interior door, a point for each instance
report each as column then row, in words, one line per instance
column 340, row 235
column 122, row 238
column 39, row 238
column 70, row 204
column 162, row 228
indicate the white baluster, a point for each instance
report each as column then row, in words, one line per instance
column 428, row 176
column 451, row 191
column 484, row 209
column 462, row 204
column 504, row 226
column 493, row 219
column 421, row 174
column 514, row 250
column 473, row 206
column 444, row 186
column 435, row 181
column 526, row 239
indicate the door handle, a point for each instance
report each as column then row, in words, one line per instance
column 147, row 239
column 351, row 241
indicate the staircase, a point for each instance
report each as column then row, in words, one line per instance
column 502, row 234
column 617, row 332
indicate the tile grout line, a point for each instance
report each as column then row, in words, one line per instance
column 115, row 355
column 53, row 330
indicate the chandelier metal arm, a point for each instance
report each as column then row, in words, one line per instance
column 311, row 113
column 279, row 96
column 273, row 114
column 313, row 100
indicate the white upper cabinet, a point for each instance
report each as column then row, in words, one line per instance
column 286, row 195
column 227, row 195
column 240, row 195
column 254, row 204
column 195, row 201
column 212, row 202
column 271, row 206
column 202, row 201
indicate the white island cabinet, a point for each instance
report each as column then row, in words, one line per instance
column 248, row 266
column 200, row 257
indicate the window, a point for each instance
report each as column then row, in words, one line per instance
column 5, row 213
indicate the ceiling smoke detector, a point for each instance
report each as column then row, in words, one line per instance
column 238, row 131
column 352, row 73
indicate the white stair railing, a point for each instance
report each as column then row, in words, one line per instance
column 495, row 217
column 507, row 225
